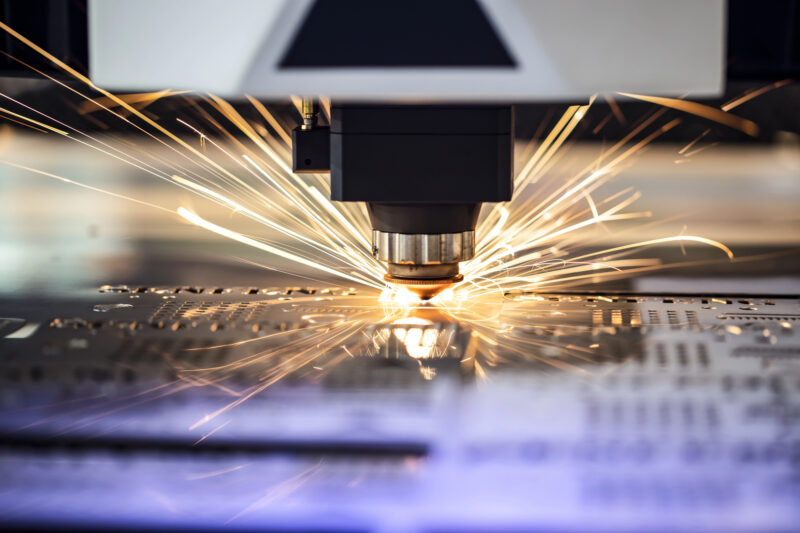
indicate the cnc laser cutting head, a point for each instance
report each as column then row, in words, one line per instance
column 423, row 171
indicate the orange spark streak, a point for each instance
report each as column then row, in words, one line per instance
column 615, row 109
column 40, row 124
column 711, row 113
column 132, row 98
column 736, row 102
column 83, row 185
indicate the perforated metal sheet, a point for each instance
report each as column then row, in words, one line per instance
column 580, row 412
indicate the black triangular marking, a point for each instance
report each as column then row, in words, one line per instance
column 385, row 33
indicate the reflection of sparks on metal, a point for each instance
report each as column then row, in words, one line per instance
column 419, row 339
column 529, row 244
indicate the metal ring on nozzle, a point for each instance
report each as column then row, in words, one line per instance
column 424, row 263
column 423, row 249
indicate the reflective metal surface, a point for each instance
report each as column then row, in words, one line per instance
column 422, row 249
column 638, row 410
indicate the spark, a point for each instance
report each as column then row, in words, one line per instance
column 736, row 102
column 206, row 435
column 84, row 186
column 693, row 142
column 132, row 98
column 234, row 236
column 664, row 240
column 615, row 110
column 281, row 490
column 36, row 122
column 216, row 473
column 712, row 113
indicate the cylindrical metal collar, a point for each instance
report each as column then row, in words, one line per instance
column 423, row 249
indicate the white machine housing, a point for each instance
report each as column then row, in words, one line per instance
column 562, row 49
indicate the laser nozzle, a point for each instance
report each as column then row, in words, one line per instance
column 426, row 264
column 425, row 288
